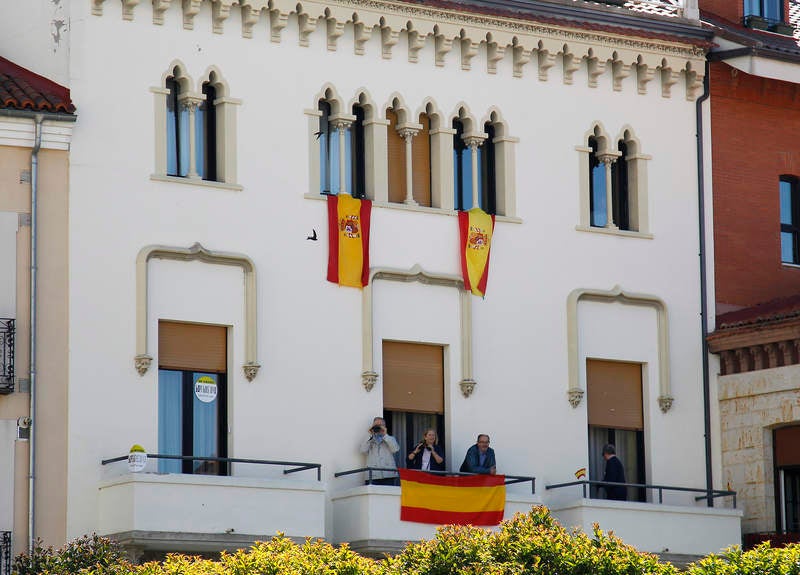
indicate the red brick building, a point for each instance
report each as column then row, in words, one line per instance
column 754, row 81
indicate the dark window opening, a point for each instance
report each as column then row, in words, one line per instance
column 177, row 150
column 619, row 191
column 326, row 135
column 489, row 172
column 597, row 188
column 206, row 134
column 790, row 219
column 358, row 154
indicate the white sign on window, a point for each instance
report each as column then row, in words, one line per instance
column 205, row 388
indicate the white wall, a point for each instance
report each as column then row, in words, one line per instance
column 307, row 402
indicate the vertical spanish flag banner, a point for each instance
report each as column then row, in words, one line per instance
column 348, row 240
column 458, row 500
column 476, row 227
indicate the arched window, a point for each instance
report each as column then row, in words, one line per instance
column 341, row 151
column 328, row 151
column 356, row 149
column 177, row 129
column 462, row 168
column 598, row 208
column 488, row 171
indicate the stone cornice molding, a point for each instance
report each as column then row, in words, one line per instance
column 416, row 274
column 363, row 18
column 617, row 295
column 196, row 252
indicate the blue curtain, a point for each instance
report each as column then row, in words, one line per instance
column 348, row 161
column 183, row 135
column 599, row 209
column 172, row 142
column 205, row 427
column 200, row 117
column 170, row 419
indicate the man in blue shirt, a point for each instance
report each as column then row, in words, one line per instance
column 480, row 458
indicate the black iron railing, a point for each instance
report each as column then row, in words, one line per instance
column 6, row 355
column 5, row 552
column 296, row 465
column 660, row 489
column 371, row 481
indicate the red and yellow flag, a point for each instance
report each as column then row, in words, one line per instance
column 476, row 227
column 459, row 500
column 348, row 240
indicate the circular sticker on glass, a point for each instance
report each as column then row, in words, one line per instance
column 205, row 388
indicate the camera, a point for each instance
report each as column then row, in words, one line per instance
column 376, row 429
column 429, row 448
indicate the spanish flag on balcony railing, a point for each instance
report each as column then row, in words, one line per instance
column 459, row 500
column 348, row 240
column 476, row 227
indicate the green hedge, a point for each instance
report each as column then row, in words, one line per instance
column 528, row 544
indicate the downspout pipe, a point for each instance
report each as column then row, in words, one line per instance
column 37, row 144
column 701, row 211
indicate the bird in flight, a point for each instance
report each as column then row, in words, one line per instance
column 313, row 236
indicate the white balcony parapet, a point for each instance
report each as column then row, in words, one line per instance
column 194, row 509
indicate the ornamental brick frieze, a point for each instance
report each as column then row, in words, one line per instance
column 457, row 37
column 757, row 357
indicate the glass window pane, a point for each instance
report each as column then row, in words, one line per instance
column 466, row 180
column 205, row 414
column 170, row 419
column 773, row 10
column 786, row 203
column 599, row 214
column 334, row 161
column 172, row 142
column 752, row 7
column 787, row 248
column 479, row 151
column 183, row 138
column 348, row 160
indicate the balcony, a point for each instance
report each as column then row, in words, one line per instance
column 149, row 511
column 367, row 516
column 683, row 526
column 6, row 355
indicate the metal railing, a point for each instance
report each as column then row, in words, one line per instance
column 297, row 465
column 5, row 552
column 714, row 493
column 6, row 355
column 510, row 479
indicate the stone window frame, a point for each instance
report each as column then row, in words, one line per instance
column 376, row 148
column 638, row 193
column 191, row 96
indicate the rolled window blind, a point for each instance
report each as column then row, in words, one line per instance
column 614, row 394
column 396, row 159
column 787, row 446
column 421, row 162
column 192, row 347
column 413, row 377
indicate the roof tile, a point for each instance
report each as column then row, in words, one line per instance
column 21, row 89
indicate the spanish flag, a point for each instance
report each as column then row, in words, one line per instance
column 459, row 500
column 348, row 240
column 580, row 473
column 476, row 227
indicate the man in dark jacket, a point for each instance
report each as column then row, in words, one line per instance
column 614, row 473
column 480, row 458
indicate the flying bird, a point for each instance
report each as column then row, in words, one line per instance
column 313, row 236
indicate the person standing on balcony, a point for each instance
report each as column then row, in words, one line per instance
column 428, row 454
column 614, row 473
column 380, row 448
column 480, row 458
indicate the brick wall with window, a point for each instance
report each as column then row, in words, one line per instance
column 755, row 122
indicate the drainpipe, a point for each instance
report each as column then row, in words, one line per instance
column 701, row 203
column 37, row 143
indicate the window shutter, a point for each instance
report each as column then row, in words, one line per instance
column 614, row 394
column 787, row 446
column 413, row 377
column 192, row 347
column 397, row 160
column 421, row 162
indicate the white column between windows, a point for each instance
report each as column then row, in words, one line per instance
column 342, row 126
column 473, row 143
column 408, row 133
column 607, row 160
column 190, row 103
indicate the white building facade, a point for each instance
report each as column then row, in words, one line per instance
column 209, row 134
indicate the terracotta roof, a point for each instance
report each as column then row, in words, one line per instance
column 759, row 39
column 21, row 89
column 763, row 313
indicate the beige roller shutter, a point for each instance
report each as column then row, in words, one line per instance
column 787, row 446
column 413, row 377
column 421, row 162
column 396, row 159
column 614, row 394
column 192, row 347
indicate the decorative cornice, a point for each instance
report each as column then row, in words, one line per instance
column 674, row 58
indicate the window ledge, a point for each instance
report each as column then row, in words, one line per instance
column 610, row 232
column 790, row 265
column 197, row 182
column 423, row 209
